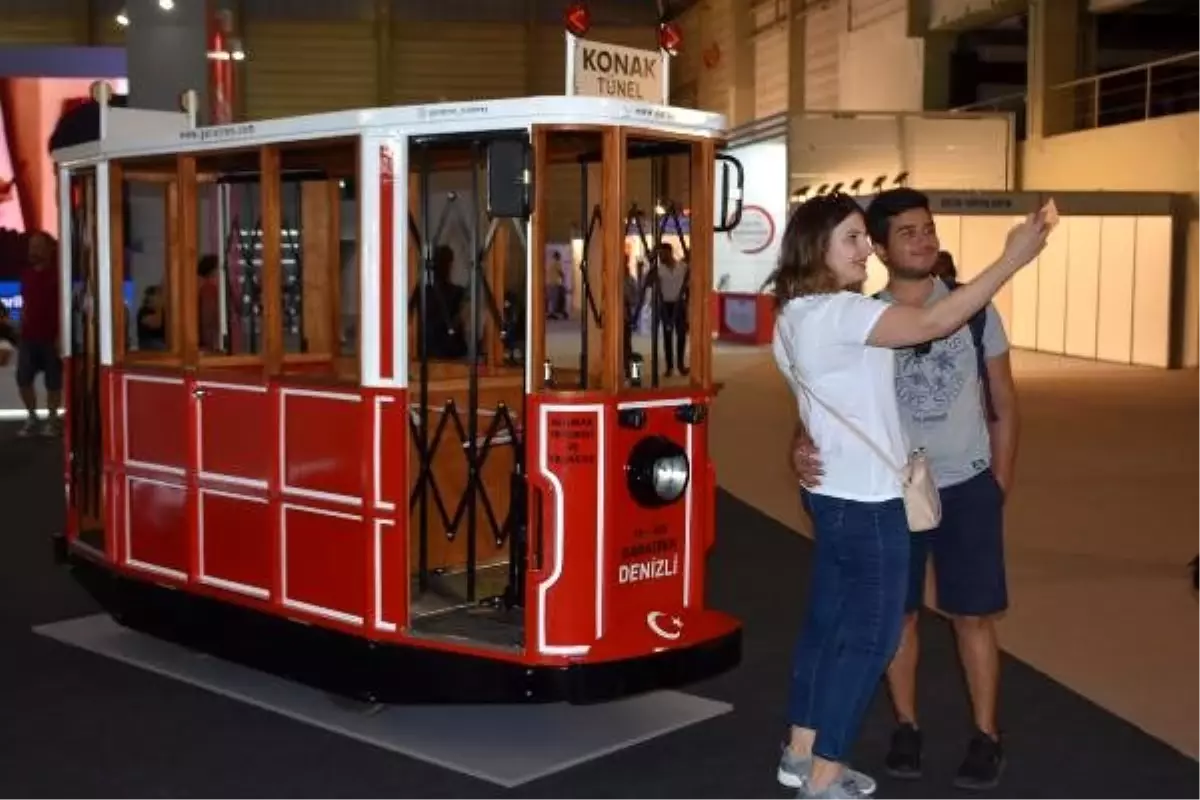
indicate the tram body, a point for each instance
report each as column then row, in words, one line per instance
column 299, row 473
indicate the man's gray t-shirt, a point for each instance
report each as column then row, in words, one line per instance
column 940, row 397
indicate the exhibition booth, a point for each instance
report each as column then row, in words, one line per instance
column 38, row 85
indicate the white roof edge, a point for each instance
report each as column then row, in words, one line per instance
column 513, row 113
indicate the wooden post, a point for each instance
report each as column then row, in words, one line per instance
column 184, row 258
column 272, row 283
column 701, row 267
column 611, row 291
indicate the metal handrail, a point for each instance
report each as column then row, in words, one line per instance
column 1090, row 112
column 1149, row 65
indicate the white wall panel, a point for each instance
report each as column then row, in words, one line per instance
column 1023, row 331
column 1152, row 292
column 1083, row 284
column 1114, row 340
column 770, row 62
column 1052, row 295
column 823, row 29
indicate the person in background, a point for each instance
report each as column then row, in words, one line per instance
column 8, row 337
column 556, row 288
column 957, row 399
column 209, row 299
column 673, row 313
column 151, row 322
column 38, row 350
column 944, row 267
column 836, row 349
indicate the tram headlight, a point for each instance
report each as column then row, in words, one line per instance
column 658, row 471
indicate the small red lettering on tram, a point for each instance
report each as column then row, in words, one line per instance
column 572, row 455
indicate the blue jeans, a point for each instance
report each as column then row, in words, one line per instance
column 855, row 612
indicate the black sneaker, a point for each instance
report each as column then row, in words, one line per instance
column 904, row 758
column 981, row 769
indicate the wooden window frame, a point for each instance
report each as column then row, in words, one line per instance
column 142, row 169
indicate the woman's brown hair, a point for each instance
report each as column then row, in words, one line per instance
column 802, row 267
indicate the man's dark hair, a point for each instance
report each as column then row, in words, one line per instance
column 890, row 204
column 208, row 265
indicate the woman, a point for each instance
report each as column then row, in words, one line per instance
column 840, row 344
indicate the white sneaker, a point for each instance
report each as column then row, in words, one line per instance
column 794, row 771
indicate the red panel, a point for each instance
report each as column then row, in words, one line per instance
column 236, row 539
column 323, row 444
column 393, row 570
column 158, row 524
column 156, row 415
column 570, row 457
column 325, row 559
column 387, row 210
column 393, row 446
column 646, row 549
column 235, row 432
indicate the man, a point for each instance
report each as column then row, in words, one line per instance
column 673, row 314
column 556, row 288
column 38, row 350
column 967, row 422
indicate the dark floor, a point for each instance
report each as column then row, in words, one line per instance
column 74, row 724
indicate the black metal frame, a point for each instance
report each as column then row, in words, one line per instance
column 427, row 236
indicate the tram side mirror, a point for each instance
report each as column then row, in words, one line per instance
column 730, row 185
column 508, row 179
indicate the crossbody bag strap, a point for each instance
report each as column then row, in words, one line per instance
column 785, row 339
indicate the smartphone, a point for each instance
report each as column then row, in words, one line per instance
column 1049, row 213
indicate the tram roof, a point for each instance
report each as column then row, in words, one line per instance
column 129, row 132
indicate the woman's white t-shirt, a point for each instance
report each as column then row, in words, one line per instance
column 828, row 337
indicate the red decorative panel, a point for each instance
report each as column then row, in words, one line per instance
column 156, row 525
column 235, row 431
column 569, row 443
column 156, row 424
column 323, row 448
column 325, row 565
column 391, row 574
column 391, row 445
column 235, row 542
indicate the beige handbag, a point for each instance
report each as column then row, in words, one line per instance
column 922, row 502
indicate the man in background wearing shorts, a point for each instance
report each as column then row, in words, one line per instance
column 956, row 399
column 38, row 352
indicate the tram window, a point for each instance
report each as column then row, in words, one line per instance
column 145, row 247
column 659, row 336
column 572, row 274
column 318, row 215
column 452, row 239
column 228, row 255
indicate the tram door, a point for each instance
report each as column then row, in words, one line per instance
column 84, row 444
column 466, row 382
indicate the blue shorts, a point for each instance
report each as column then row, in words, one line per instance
column 967, row 550
column 35, row 357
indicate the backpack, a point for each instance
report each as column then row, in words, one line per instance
column 976, row 325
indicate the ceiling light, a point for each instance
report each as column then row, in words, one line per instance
column 166, row 5
column 123, row 19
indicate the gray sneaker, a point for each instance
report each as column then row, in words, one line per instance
column 794, row 771
column 843, row 787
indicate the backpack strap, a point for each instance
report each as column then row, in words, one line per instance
column 977, row 324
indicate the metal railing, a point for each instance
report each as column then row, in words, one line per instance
column 1154, row 89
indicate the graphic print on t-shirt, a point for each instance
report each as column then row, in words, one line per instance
column 927, row 385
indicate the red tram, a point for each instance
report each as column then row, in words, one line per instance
column 318, row 420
